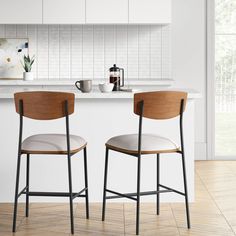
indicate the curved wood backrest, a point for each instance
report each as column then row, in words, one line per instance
column 44, row 105
column 160, row 105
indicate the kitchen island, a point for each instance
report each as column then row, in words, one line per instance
column 97, row 117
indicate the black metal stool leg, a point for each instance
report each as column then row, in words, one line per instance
column 16, row 193
column 158, row 182
column 138, row 195
column 71, row 195
column 186, row 191
column 86, row 183
column 105, row 185
column 27, row 185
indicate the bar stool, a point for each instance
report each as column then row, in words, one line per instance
column 154, row 105
column 48, row 106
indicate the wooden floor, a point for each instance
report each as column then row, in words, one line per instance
column 213, row 213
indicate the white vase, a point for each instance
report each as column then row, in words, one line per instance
column 28, row 76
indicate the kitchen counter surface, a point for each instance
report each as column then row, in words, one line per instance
column 7, row 93
column 54, row 82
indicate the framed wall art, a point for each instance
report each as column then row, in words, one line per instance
column 11, row 54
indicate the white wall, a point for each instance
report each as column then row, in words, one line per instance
column 189, row 58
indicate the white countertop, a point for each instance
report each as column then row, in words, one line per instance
column 9, row 87
column 53, row 82
column 8, row 93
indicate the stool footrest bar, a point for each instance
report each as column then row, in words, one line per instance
column 172, row 190
column 54, row 194
column 23, row 191
column 79, row 193
column 120, row 195
column 130, row 195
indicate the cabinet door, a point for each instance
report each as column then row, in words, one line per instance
column 63, row 11
column 21, row 12
column 149, row 11
column 106, row 11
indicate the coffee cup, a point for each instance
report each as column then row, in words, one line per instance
column 85, row 86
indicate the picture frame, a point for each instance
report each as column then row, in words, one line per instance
column 12, row 51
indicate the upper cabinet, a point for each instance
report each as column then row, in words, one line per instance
column 63, row 11
column 107, row 11
column 149, row 11
column 85, row 12
column 21, row 12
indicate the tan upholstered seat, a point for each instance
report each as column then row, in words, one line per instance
column 52, row 144
column 151, row 143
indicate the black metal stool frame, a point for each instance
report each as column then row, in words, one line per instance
column 25, row 190
column 136, row 196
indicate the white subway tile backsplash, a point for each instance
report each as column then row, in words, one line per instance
column 144, row 52
column 76, row 52
column 53, row 52
column 2, row 31
column 156, row 52
column 122, row 47
column 43, row 52
column 65, row 51
column 10, row 31
column 166, row 53
column 21, row 31
column 87, row 61
column 133, row 52
column 88, row 51
column 110, row 48
column 98, row 52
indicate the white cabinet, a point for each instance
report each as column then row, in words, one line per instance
column 107, row 11
column 21, row 12
column 63, row 11
column 149, row 11
column 85, row 12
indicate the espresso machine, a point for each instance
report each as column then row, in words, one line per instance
column 116, row 77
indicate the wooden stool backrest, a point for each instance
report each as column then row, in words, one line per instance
column 44, row 105
column 160, row 105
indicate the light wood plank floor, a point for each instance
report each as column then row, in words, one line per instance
column 213, row 213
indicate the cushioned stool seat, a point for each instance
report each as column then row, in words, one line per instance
column 151, row 143
column 52, row 144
